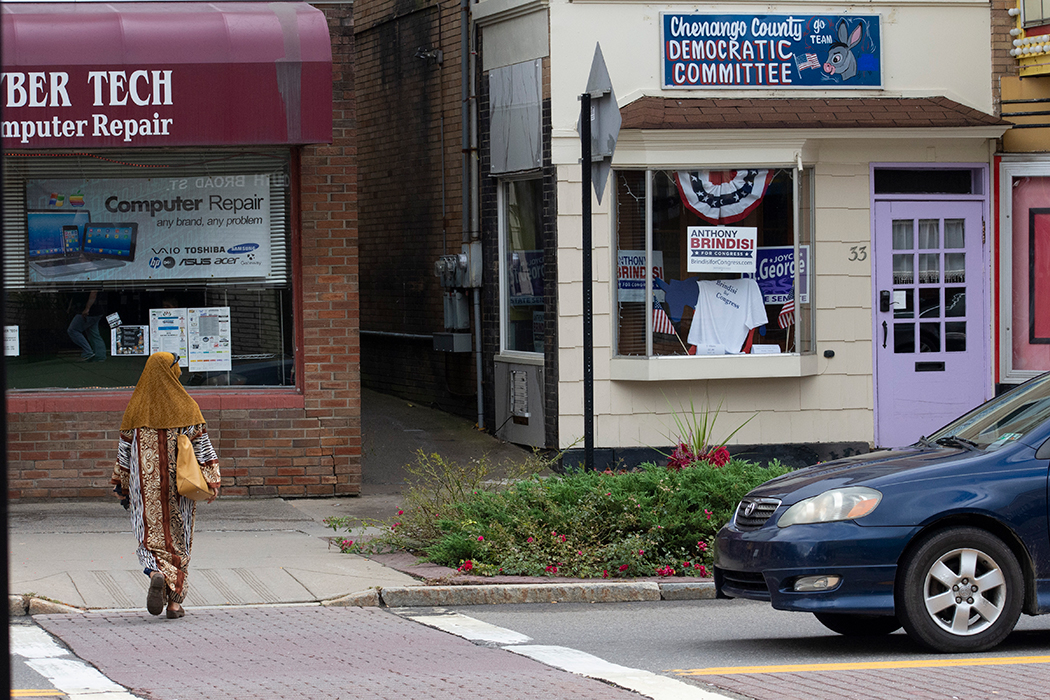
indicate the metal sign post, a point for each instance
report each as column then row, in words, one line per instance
column 599, row 128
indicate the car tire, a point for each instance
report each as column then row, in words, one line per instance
column 856, row 625
column 960, row 590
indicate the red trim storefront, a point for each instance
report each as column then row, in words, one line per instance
column 143, row 87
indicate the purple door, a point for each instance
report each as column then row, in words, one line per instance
column 931, row 355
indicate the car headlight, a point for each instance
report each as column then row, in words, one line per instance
column 837, row 504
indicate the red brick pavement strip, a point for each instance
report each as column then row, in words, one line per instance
column 1021, row 682
column 303, row 653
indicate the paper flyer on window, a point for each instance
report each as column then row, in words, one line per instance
column 129, row 340
column 11, row 346
column 630, row 274
column 167, row 333
column 211, row 349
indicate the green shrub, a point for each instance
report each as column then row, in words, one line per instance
column 646, row 522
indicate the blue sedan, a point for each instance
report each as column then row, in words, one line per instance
column 948, row 538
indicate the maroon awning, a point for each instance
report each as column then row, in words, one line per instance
column 165, row 74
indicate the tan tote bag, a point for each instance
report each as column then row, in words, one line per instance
column 190, row 479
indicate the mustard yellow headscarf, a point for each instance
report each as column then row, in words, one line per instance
column 160, row 401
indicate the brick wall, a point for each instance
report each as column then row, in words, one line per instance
column 280, row 443
column 1003, row 64
column 410, row 165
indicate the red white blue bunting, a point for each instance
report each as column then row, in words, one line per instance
column 723, row 196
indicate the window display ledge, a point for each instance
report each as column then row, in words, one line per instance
column 679, row 368
column 110, row 401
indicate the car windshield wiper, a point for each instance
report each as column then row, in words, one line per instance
column 924, row 441
column 956, row 441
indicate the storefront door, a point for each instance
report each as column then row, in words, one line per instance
column 931, row 360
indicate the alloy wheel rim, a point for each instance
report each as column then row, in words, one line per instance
column 965, row 591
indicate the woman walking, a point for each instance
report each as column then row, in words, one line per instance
column 144, row 477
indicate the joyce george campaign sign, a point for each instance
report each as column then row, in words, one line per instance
column 722, row 249
column 148, row 228
column 771, row 51
column 775, row 274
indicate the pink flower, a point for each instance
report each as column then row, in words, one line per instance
column 579, row 552
column 641, row 552
column 702, row 546
column 703, row 570
column 480, row 538
column 466, row 566
column 401, row 512
column 605, row 573
column 665, row 571
column 686, row 565
column 347, row 543
column 708, row 513
column 551, row 569
column 623, row 568
column 394, row 526
column 529, row 540
column 563, row 538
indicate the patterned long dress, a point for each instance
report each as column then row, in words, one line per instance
column 162, row 519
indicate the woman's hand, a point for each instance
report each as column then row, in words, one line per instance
column 214, row 492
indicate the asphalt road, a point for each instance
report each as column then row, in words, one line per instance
column 751, row 644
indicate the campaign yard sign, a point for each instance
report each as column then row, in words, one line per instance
column 771, row 51
column 729, row 249
column 775, row 274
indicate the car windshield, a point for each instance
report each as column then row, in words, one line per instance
column 1001, row 420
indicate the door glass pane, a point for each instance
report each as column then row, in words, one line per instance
column 955, row 301
column 929, row 337
column 903, row 234
column 955, row 336
column 930, row 303
column 954, row 230
column 903, row 338
column 929, row 234
column 903, row 268
column 908, row 308
column 523, row 247
column 929, row 268
column 955, row 267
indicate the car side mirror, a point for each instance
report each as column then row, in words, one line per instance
column 1044, row 451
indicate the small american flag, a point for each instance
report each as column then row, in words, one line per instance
column 661, row 323
column 787, row 314
column 810, row 61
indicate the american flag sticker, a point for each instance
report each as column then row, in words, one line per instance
column 810, row 61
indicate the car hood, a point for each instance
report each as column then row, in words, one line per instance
column 874, row 469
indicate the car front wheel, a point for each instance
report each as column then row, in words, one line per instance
column 961, row 591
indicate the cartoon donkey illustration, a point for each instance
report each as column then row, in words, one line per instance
column 841, row 61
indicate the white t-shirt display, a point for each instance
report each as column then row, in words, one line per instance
column 725, row 311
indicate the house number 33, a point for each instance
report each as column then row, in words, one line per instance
column 858, row 253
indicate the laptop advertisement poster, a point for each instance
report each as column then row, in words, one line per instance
column 138, row 229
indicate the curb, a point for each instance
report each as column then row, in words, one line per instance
column 23, row 605
column 456, row 596
column 620, row 592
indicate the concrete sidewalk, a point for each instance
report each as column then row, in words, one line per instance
column 81, row 555
column 269, row 551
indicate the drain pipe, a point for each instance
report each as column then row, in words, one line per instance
column 469, row 178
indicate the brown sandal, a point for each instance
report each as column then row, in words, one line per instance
column 155, row 597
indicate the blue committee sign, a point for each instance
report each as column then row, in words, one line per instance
column 771, row 51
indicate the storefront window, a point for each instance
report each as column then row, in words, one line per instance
column 724, row 245
column 521, row 223
column 113, row 256
column 1030, row 274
